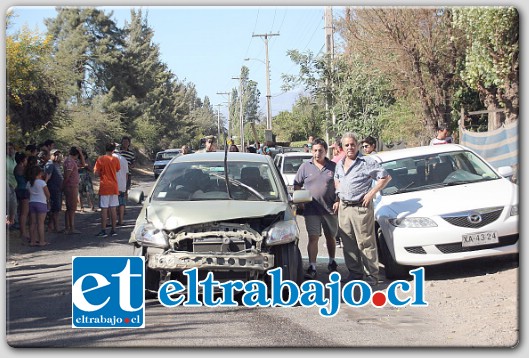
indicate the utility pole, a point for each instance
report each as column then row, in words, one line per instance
column 329, row 47
column 218, row 123
column 229, row 130
column 268, row 133
column 241, row 119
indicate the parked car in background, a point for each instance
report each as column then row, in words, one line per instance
column 232, row 218
column 444, row 203
column 162, row 158
column 288, row 164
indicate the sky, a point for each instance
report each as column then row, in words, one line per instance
column 207, row 45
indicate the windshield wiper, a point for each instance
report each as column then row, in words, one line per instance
column 252, row 190
column 459, row 182
column 402, row 190
column 238, row 183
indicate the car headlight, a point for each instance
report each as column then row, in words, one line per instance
column 514, row 210
column 412, row 222
column 283, row 232
column 149, row 235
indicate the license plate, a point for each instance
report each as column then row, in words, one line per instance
column 482, row 238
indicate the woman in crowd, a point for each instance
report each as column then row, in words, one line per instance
column 22, row 193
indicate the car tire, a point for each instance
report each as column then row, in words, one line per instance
column 392, row 268
column 152, row 277
column 288, row 257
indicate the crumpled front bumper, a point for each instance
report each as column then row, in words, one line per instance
column 179, row 261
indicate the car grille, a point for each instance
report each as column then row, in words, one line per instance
column 218, row 245
column 461, row 219
column 415, row 250
column 458, row 247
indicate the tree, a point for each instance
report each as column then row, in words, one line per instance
column 250, row 104
column 31, row 99
column 418, row 50
column 492, row 57
column 152, row 104
column 360, row 93
column 87, row 46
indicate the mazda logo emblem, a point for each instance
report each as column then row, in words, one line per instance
column 474, row 218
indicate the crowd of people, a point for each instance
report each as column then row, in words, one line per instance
column 41, row 180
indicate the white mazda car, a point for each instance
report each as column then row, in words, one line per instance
column 444, row 203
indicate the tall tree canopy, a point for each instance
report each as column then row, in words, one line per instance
column 492, row 57
column 31, row 98
column 416, row 48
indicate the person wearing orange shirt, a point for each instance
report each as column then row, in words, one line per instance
column 106, row 169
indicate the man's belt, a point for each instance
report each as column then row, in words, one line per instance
column 352, row 203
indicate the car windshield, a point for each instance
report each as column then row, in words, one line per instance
column 292, row 164
column 437, row 170
column 166, row 155
column 192, row 181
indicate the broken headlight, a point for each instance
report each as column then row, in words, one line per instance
column 148, row 235
column 282, row 232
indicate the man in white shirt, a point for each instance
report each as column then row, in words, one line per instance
column 122, row 176
column 442, row 136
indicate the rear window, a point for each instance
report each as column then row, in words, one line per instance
column 292, row 164
column 166, row 155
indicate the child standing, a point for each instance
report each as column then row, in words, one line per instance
column 39, row 197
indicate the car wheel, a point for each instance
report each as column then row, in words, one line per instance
column 288, row 257
column 391, row 267
column 152, row 277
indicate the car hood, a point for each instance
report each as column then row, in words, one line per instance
column 171, row 215
column 452, row 199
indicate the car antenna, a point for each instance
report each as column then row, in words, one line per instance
column 226, row 167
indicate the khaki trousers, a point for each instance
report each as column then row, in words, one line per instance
column 357, row 231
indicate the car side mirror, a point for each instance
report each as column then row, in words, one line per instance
column 505, row 171
column 136, row 196
column 301, row 196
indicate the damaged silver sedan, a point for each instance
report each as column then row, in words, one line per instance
column 226, row 213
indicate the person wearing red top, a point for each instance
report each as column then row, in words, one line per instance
column 106, row 169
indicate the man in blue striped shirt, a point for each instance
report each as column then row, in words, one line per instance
column 355, row 192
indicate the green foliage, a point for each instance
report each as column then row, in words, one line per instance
column 31, row 100
column 286, row 126
column 90, row 128
column 360, row 94
column 401, row 72
column 401, row 122
column 493, row 50
column 250, row 105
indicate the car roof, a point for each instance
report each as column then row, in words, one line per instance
column 389, row 155
column 170, row 150
column 219, row 156
column 295, row 154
